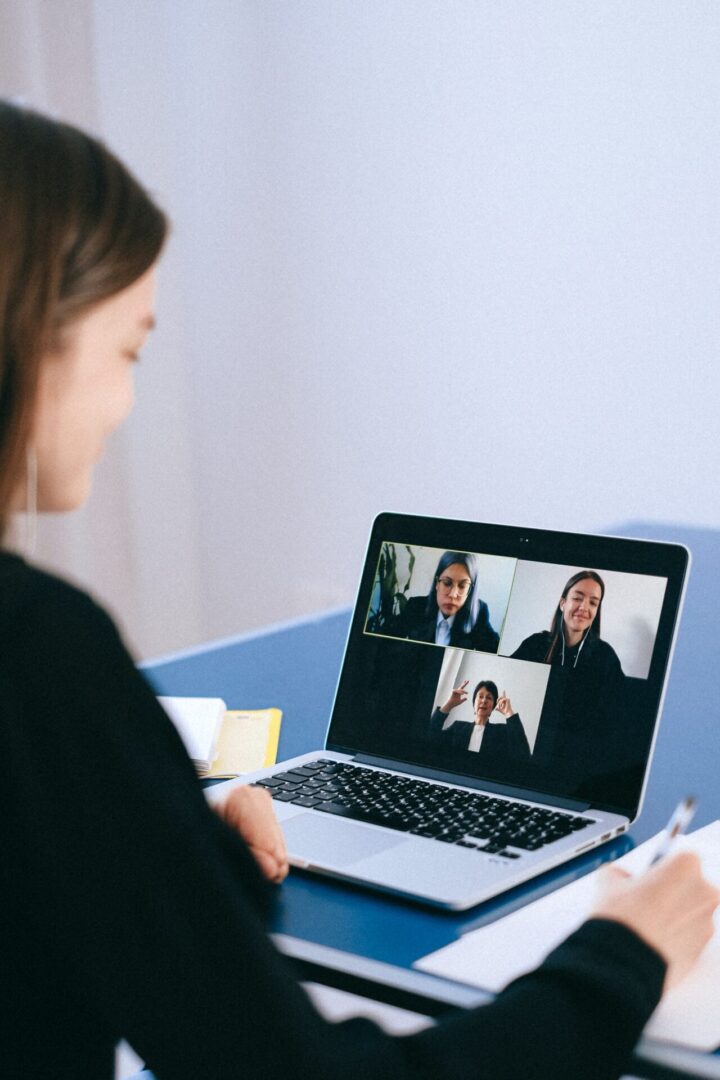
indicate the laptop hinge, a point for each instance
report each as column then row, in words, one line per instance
column 473, row 782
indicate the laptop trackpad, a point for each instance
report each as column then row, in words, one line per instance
column 332, row 842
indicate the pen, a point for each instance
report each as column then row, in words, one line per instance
column 681, row 817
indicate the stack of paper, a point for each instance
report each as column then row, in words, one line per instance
column 198, row 721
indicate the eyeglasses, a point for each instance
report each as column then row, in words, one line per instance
column 449, row 584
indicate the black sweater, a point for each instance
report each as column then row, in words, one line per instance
column 129, row 910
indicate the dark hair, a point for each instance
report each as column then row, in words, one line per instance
column 488, row 684
column 75, row 228
column 556, row 627
column 468, row 613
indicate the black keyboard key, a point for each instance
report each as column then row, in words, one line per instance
column 368, row 817
column 336, row 808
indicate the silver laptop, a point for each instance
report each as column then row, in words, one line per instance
column 495, row 713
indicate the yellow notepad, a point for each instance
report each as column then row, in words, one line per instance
column 248, row 740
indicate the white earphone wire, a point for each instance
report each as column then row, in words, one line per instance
column 31, row 483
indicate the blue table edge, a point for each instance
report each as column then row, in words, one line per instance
column 432, row 995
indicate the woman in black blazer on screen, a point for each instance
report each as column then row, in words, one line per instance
column 453, row 612
column 498, row 745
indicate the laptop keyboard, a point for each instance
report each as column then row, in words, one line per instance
column 420, row 807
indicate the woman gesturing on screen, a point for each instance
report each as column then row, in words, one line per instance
column 498, row 746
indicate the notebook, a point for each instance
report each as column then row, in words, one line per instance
column 496, row 709
column 198, row 721
column 224, row 742
column 494, row 955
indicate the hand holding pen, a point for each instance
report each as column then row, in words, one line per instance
column 670, row 907
column 681, row 817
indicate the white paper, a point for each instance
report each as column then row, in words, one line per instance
column 494, row 955
column 198, row 721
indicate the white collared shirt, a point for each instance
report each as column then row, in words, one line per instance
column 476, row 737
column 443, row 626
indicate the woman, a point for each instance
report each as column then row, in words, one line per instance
column 574, row 635
column 584, row 732
column 452, row 613
column 498, row 746
column 130, row 909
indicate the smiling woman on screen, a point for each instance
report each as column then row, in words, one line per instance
column 573, row 640
column 130, row 908
column 584, row 732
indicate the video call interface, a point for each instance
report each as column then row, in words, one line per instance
column 530, row 674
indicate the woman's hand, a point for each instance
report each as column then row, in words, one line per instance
column 249, row 811
column 670, row 907
column 504, row 705
column 457, row 697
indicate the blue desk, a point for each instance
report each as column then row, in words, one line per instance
column 367, row 943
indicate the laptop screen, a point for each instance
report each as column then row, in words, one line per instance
column 532, row 660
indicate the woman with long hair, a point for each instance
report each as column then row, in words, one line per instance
column 130, row 908
column 583, row 732
column 574, row 634
column 453, row 611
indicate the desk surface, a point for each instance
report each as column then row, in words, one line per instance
column 358, row 938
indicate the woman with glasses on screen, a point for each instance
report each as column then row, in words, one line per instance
column 131, row 909
column 453, row 612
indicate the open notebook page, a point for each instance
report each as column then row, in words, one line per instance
column 494, row 955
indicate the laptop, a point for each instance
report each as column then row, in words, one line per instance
column 496, row 710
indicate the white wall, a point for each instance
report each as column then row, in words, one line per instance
column 447, row 257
